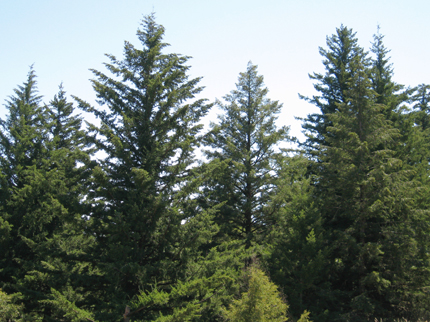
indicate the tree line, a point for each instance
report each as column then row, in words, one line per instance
column 121, row 221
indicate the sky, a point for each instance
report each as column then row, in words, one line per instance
column 63, row 40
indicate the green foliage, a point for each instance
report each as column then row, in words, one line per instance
column 8, row 310
column 304, row 317
column 23, row 150
column 45, row 163
column 145, row 219
column 261, row 302
column 246, row 139
column 298, row 253
column 338, row 60
column 71, row 312
column 145, row 233
column 388, row 93
column 210, row 282
column 366, row 199
column 421, row 99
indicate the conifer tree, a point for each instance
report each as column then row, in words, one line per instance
column 261, row 302
column 143, row 214
column 412, row 146
column 44, row 202
column 22, row 139
column 365, row 198
column 338, row 61
column 66, row 170
column 247, row 138
column 392, row 96
column 416, row 150
column 298, row 251
column 387, row 91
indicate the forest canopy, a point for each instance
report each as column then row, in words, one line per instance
column 148, row 216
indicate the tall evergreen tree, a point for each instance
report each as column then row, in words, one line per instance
column 247, row 138
column 22, row 139
column 381, row 73
column 22, row 134
column 298, row 257
column 66, row 172
column 412, row 146
column 416, row 149
column 43, row 147
column 365, row 197
column 392, row 96
column 338, row 60
column 143, row 214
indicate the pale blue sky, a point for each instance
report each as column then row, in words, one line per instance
column 65, row 38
